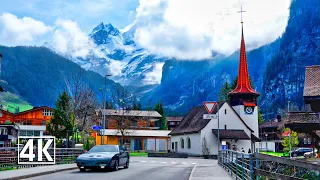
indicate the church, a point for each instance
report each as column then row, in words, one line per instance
column 238, row 120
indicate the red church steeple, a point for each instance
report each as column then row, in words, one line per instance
column 243, row 90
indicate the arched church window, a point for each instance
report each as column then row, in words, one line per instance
column 189, row 142
column 182, row 143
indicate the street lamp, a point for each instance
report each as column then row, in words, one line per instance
column 104, row 105
column 266, row 141
column 0, row 64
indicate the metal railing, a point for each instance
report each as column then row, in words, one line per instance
column 9, row 157
column 260, row 166
column 239, row 165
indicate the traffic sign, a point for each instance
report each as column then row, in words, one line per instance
column 96, row 128
column 224, row 147
column 210, row 106
column 210, row 116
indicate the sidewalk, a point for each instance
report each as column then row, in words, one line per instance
column 200, row 172
column 35, row 171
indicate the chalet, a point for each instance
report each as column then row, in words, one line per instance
column 173, row 121
column 8, row 134
column 312, row 87
column 270, row 135
column 141, row 130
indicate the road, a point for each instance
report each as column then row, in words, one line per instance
column 141, row 168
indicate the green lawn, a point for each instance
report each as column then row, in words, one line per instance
column 279, row 154
column 138, row 154
column 13, row 102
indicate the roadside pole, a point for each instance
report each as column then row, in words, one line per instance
column 290, row 144
column 218, row 130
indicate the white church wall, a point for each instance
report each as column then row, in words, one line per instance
column 250, row 119
column 195, row 143
column 229, row 118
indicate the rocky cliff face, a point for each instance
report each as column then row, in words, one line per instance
column 284, row 75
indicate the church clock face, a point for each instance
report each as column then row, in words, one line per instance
column 248, row 109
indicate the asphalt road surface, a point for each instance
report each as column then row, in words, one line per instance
column 141, row 168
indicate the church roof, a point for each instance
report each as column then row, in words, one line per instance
column 193, row 122
column 312, row 81
column 243, row 84
column 231, row 134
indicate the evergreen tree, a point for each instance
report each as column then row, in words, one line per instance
column 163, row 122
column 223, row 96
column 61, row 122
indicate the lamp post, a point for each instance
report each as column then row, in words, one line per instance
column 0, row 64
column 266, row 141
column 104, row 106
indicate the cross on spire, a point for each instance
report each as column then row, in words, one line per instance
column 241, row 11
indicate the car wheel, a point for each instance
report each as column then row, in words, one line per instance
column 126, row 166
column 294, row 155
column 82, row 169
column 116, row 165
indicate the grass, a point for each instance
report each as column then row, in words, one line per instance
column 138, row 154
column 278, row 154
column 11, row 102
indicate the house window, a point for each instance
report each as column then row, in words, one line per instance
column 44, row 122
column 309, row 140
column 225, row 126
column 171, row 123
column 46, row 112
column 225, row 111
column 3, row 131
column 304, row 140
column 189, row 142
column 0, row 114
column 172, row 145
column 182, row 143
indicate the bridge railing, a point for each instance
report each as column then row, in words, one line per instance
column 260, row 166
column 239, row 165
column 9, row 157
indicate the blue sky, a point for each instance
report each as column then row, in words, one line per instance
column 184, row 29
column 87, row 13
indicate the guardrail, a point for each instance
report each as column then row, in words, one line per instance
column 9, row 157
column 260, row 166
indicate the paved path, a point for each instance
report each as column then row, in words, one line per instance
column 144, row 168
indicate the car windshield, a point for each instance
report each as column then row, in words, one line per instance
column 107, row 148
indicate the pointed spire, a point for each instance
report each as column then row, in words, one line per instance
column 243, row 84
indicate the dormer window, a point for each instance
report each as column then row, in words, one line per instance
column 46, row 112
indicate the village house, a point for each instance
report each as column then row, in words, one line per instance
column 140, row 129
column 238, row 121
column 270, row 135
column 31, row 122
column 173, row 121
column 8, row 134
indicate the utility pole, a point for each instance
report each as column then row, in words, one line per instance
column 0, row 64
column 104, row 106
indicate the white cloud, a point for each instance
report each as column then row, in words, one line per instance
column 115, row 67
column 69, row 39
column 154, row 77
column 21, row 31
column 188, row 29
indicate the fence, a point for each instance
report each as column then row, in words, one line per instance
column 9, row 157
column 259, row 166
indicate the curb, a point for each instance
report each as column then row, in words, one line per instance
column 40, row 173
column 190, row 176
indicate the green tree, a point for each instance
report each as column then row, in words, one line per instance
column 260, row 116
column 293, row 138
column 163, row 122
column 224, row 93
column 61, row 123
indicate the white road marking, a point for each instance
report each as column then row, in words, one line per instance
column 194, row 163
column 183, row 163
column 163, row 162
column 143, row 161
column 173, row 162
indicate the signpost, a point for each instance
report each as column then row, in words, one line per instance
column 210, row 107
column 96, row 128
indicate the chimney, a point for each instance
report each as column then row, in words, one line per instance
column 278, row 118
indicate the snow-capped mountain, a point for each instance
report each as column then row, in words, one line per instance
column 115, row 52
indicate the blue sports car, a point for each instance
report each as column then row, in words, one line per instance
column 104, row 156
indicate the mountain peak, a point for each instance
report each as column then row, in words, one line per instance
column 110, row 30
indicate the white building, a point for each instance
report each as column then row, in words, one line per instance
column 238, row 120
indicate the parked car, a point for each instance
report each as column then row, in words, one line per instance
column 104, row 156
column 300, row 152
column 311, row 154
